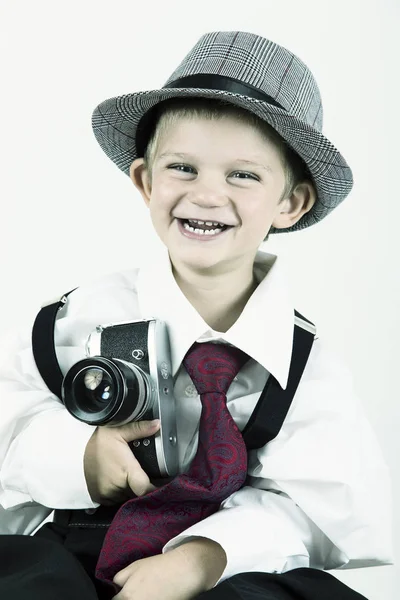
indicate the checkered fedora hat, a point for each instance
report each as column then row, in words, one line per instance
column 255, row 74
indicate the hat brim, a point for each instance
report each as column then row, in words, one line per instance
column 115, row 123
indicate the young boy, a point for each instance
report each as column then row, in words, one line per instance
column 229, row 150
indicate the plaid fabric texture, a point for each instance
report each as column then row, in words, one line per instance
column 253, row 60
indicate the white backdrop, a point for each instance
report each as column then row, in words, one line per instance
column 69, row 215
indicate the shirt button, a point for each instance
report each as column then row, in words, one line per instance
column 190, row 391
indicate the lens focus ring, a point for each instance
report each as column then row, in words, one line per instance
column 99, row 390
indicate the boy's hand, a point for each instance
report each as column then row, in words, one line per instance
column 112, row 472
column 180, row 574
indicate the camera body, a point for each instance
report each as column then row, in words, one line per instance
column 127, row 376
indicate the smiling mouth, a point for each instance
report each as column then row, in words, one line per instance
column 203, row 227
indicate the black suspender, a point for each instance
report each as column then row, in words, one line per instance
column 272, row 406
column 274, row 402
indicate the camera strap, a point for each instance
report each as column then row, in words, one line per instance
column 43, row 345
column 272, row 406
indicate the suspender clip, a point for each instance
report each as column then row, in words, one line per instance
column 304, row 324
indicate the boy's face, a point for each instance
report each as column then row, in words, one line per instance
column 221, row 171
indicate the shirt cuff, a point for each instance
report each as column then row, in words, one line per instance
column 252, row 539
column 45, row 464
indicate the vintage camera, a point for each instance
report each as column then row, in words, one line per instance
column 127, row 377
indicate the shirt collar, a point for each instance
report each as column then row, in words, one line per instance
column 264, row 330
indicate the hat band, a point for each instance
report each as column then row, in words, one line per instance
column 221, row 82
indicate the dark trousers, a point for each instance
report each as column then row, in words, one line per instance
column 58, row 564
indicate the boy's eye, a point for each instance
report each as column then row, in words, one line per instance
column 182, row 168
column 244, row 175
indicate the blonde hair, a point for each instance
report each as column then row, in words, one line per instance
column 170, row 111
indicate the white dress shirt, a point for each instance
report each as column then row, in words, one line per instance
column 318, row 495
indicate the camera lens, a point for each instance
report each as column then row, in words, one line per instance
column 97, row 387
column 99, row 390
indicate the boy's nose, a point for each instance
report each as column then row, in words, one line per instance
column 208, row 196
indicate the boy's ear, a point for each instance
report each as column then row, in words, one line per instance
column 140, row 176
column 291, row 209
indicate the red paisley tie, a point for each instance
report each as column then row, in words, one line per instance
column 143, row 525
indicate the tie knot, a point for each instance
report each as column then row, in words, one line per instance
column 212, row 367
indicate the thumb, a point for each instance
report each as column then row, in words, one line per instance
column 138, row 429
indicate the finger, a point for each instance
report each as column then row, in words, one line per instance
column 122, row 577
column 138, row 429
column 138, row 481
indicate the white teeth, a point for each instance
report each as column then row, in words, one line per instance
column 215, row 223
column 202, row 231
